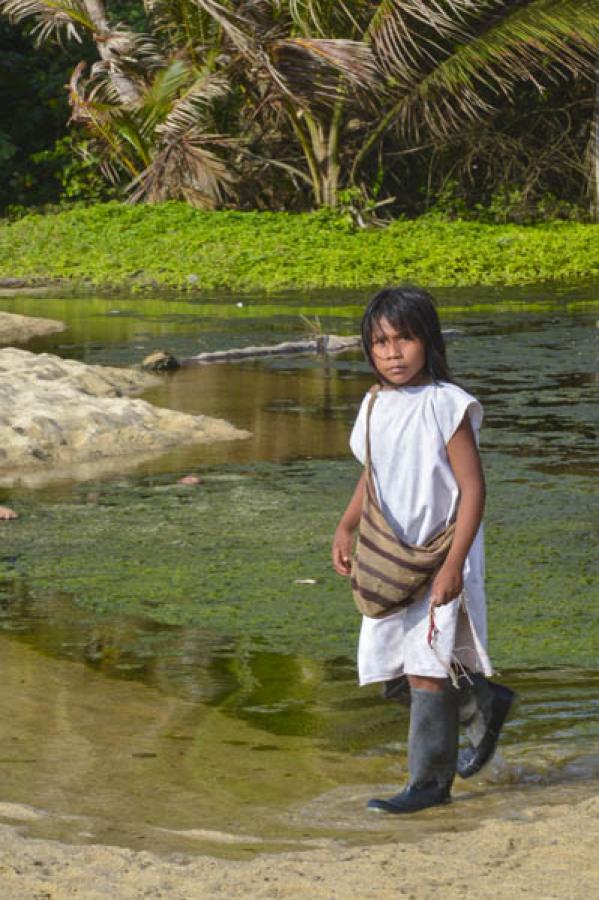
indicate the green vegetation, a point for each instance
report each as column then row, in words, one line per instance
column 297, row 105
column 173, row 246
column 159, row 552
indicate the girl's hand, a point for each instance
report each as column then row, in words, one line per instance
column 447, row 584
column 342, row 550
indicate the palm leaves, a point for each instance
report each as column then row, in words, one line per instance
column 332, row 78
column 54, row 18
column 430, row 67
column 163, row 142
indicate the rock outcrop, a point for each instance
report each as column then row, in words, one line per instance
column 15, row 329
column 57, row 413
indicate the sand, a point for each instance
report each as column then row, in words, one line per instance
column 550, row 852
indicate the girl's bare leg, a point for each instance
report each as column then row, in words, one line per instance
column 422, row 683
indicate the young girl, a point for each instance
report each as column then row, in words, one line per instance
column 427, row 473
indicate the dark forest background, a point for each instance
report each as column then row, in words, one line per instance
column 530, row 158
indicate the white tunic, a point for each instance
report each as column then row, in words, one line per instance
column 409, row 431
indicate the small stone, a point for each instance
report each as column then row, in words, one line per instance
column 160, row 361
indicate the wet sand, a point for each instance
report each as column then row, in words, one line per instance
column 87, row 781
column 548, row 853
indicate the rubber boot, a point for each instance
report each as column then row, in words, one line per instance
column 432, row 752
column 483, row 709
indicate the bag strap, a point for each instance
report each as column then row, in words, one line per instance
column 373, row 395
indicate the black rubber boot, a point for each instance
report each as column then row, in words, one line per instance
column 432, row 752
column 483, row 709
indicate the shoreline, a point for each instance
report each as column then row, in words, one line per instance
column 547, row 852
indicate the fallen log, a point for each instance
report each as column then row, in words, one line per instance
column 163, row 361
column 325, row 343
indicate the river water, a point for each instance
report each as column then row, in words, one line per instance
column 177, row 663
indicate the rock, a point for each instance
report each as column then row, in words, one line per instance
column 160, row 361
column 57, row 414
column 16, row 329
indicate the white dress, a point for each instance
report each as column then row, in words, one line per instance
column 417, row 491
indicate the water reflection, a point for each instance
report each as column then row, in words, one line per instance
column 129, row 729
column 243, row 751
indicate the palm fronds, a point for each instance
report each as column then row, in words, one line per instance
column 56, row 19
column 306, row 67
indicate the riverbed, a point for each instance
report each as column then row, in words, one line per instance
column 178, row 666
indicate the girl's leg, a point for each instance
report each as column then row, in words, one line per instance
column 432, row 747
column 483, row 707
column 422, row 683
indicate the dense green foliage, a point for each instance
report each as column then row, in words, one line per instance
column 480, row 110
column 174, row 246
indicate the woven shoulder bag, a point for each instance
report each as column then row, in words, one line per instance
column 388, row 573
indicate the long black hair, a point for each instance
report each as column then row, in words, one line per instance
column 410, row 310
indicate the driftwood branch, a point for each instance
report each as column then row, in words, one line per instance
column 325, row 343
column 161, row 360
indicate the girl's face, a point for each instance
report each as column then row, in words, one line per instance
column 398, row 357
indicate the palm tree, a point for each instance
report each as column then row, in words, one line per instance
column 165, row 140
column 348, row 74
column 147, row 102
column 335, row 78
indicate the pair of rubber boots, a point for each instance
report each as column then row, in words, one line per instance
column 481, row 706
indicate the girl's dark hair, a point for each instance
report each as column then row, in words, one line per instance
column 411, row 310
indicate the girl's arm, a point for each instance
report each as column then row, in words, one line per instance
column 464, row 460
column 344, row 535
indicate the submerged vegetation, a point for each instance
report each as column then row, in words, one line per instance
column 173, row 246
column 157, row 552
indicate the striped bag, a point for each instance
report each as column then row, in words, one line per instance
column 387, row 573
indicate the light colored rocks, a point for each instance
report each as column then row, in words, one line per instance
column 16, row 329
column 59, row 413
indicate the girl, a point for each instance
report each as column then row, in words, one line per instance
column 427, row 473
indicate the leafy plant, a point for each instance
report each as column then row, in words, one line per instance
column 315, row 90
column 114, row 246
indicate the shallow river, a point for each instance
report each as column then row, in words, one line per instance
column 169, row 682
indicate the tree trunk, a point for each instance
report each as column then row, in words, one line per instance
column 324, row 140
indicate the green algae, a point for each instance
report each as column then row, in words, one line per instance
column 222, row 560
column 229, row 557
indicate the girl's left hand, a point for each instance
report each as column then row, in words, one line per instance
column 447, row 584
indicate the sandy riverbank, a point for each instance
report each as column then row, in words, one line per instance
column 547, row 853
